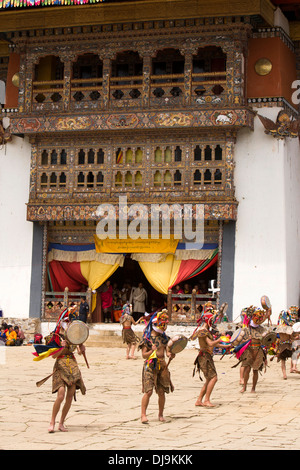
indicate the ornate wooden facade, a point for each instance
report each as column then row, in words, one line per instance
column 150, row 109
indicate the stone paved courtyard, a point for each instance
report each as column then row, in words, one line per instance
column 108, row 416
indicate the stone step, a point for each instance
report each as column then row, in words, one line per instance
column 104, row 337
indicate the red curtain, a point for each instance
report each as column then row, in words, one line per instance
column 187, row 267
column 64, row 274
column 191, row 268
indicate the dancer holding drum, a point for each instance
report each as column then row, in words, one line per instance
column 66, row 375
column 204, row 361
column 156, row 375
column 253, row 357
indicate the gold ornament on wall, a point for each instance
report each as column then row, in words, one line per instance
column 263, row 66
column 16, row 79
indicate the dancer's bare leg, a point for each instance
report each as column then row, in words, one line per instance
column 127, row 351
column 283, row 368
column 199, row 401
column 56, row 407
column 242, row 369
column 69, row 398
column 209, row 389
column 132, row 356
column 254, row 380
column 247, row 370
column 144, row 406
column 161, row 405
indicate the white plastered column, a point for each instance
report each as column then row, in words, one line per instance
column 16, row 232
column 267, row 251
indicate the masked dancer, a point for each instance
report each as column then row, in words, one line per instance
column 66, row 376
column 156, row 375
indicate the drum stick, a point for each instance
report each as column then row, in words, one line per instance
column 83, row 353
column 170, row 359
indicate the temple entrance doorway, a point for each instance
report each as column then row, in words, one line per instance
column 130, row 275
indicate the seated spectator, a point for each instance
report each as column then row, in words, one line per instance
column 2, row 335
column 11, row 336
column 20, row 336
column 4, row 325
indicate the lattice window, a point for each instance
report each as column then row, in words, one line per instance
column 100, row 179
column 218, row 152
column 53, row 180
column 63, row 157
column 44, row 180
column 45, row 157
column 177, row 178
column 138, row 155
column 62, row 180
column 207, row 177
column 91, row 157
column 90, row 180
column 178, row 154
column 81, row 157
column 53, row 157
column 100, row 157
column 197, row 153
column 138, row 179
column 80, row 179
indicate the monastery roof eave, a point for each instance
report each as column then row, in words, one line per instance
column 17, row 19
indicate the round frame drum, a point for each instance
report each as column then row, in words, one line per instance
column 268, row 339
column 265, row 302
column 77, row 332
column 239, row 336
column 177, row 344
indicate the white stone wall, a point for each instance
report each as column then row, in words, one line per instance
column 267, row 248
column 16, row 232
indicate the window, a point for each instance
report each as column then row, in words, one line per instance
column 63, row 157
column 158, row 155
column 128, row 179
column 157, row 178
column 44, row 180
column 100, row 178
column 100, row 157
column 91, row 156
column 62, row 180
column 168, row 155
column 218, row 152
column 197, row 153
column 207, row 177
column 44, row 157
column 81, row 157
column 119, row 156
column 207, row 153
column 90, row 180
column 129, row 156
column 53, row 157
column 53, row 180
column 118, row 179
column 177, row 178
column 167, row 178
column 138, row 155
column 197, row 177
column 178, row 154
column 218, row 177
column 80, row 179
column 138, row 179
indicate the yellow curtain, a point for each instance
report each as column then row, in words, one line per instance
column 96, row 273
column 129, row 245
column 163, row 274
